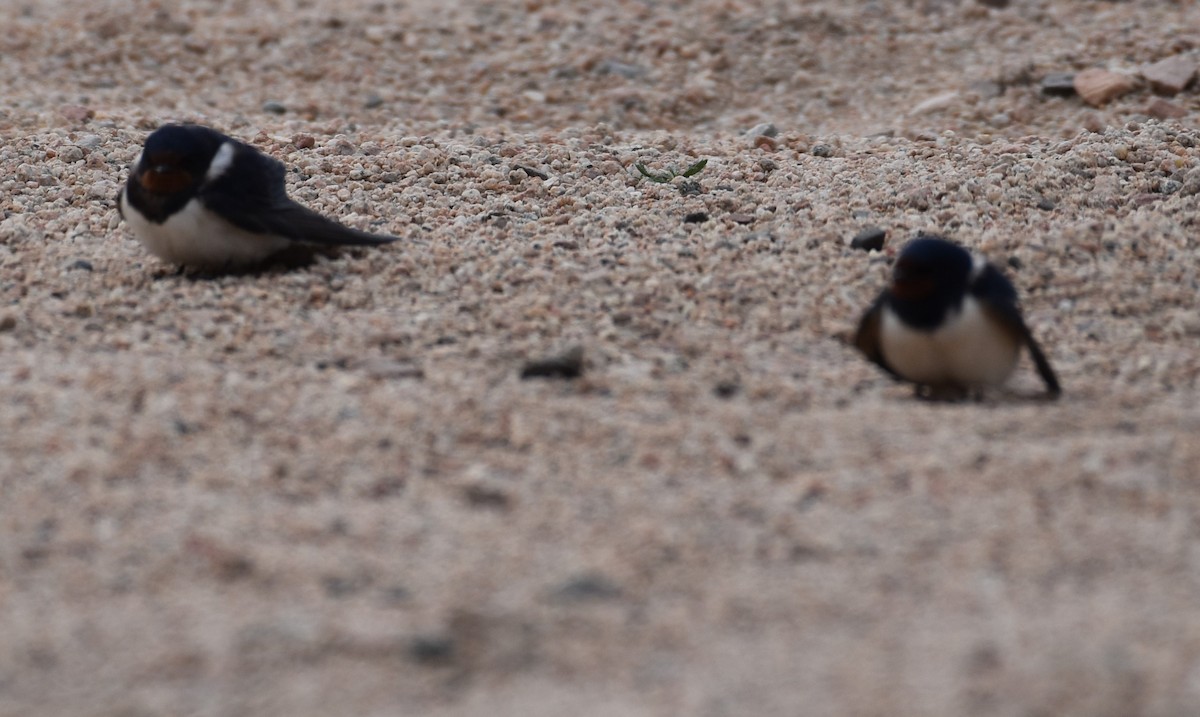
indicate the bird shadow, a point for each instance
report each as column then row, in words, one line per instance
column 286, row 261
column 990, row 397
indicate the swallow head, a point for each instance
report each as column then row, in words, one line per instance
column 929, row 278
column 929, row 266
column 177, row 159
column 175, row 162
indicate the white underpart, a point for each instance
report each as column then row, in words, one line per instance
column 969, row 349
column 195, row 236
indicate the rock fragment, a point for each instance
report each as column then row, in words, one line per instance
column 1059, row 84
column 1171, row 75
column 766, row 129
column 390, row 369
column 588, row 587
column 568, row 364
column 936, row 103
column 1098, row 87
column 870, row 239
column 1159, row 108
column 76, row 114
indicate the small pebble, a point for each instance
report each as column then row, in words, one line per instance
column 621, row 69
column 589, row 587
column 1059, row 84
column 1159, row 108
column 935, row 103
column 870, row 239
column 433, row 651
column 386, row 369
column 695, row 217
column 485, row 496
column 76, row 113
column 273, row 107
column 726, row 389
column 1098, row 87
column 568, row 364
column 1171, row 75
column 766, row 129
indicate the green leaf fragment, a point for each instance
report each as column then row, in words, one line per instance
column 695, row 168
column 660, row 178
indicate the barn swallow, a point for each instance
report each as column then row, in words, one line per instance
column 198, row 198
column 949, row 323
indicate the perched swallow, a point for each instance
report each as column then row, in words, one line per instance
column 948, row 323
column 198, row 198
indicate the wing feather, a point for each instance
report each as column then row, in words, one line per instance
column 253, row 196
column 999, row 299
column 867, row 337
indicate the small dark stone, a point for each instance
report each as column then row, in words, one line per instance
column 373, row 100
column 337, row 586
column 530, row 171
column 483, row 496
column 586, row 588
column 568, row 364
column 396, row 594
column 811, row 496
column 870, row 239
column 273, row 107
column 695, row 218
column 1059, row 84
column 1045, row 204
column 1015, row 263
column 740, row 218
column 621, row 69
column 998, row 4
column 822, row 150
column 81, row 264
column 689, row 188
column 727, row 389
column 432, row 650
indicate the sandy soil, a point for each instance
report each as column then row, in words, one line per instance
column 327, row 491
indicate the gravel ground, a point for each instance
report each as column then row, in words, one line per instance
column 328, row 491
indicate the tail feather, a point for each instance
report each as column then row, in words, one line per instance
column 302, row 224
column 1043, row 365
